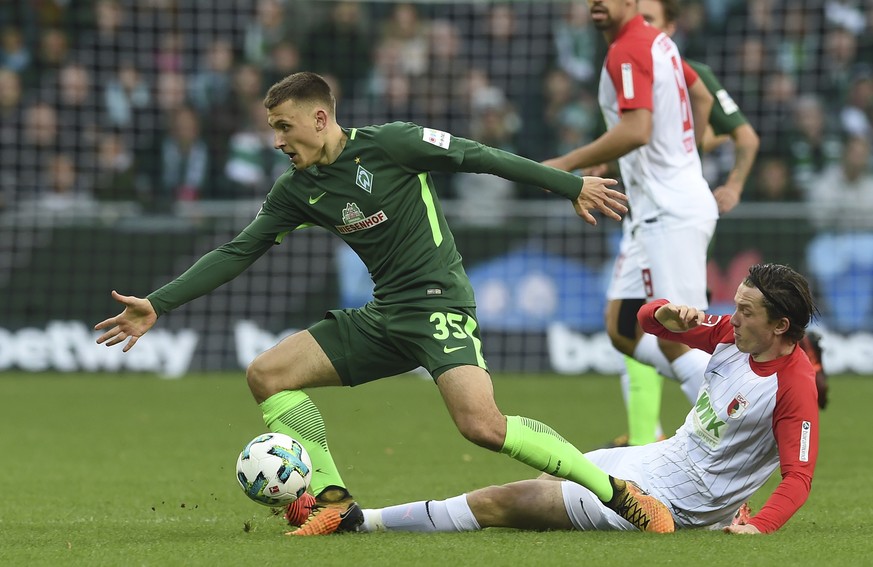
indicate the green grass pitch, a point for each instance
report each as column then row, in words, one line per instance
column 134, row 470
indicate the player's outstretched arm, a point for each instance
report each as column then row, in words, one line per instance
column 596, row 194
column 138, row 317
column 632, row 131
column 679, row 318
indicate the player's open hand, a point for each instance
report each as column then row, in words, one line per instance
column 138, row 317
column 679, row 318
column 596, row 194
column 747, row 529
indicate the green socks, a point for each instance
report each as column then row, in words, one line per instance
column 539, row 446
column 643, row 401
column 294, row 414
column 527, row 440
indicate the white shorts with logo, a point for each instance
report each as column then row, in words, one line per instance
column 658, row 260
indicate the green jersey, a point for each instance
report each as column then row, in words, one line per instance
column 725, row 115
column 379, row 197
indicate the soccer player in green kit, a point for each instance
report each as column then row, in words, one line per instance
column 371, row 187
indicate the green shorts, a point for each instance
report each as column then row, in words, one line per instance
column 374, row 342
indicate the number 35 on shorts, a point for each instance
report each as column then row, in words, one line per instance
column 458, row 332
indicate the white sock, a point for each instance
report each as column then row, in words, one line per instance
column 689, row 369
column 451, row 515
column 648, row 352
column 372, row 521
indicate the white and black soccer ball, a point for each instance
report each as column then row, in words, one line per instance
column 274, row 469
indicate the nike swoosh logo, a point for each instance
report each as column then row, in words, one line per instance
column 313, row 200
column 448, row 350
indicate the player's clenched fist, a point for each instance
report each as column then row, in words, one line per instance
column 679, row 318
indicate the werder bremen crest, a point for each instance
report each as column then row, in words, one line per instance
column 352, row 213
column 364, row 179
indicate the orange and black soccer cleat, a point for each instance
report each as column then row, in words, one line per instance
column 298, row 511
column 331, row 516
column 636, row 506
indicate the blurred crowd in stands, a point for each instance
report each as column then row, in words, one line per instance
column 157, row 101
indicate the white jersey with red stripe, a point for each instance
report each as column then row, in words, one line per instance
column 664, row 178
column 749, row 418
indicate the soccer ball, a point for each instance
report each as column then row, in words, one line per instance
column 274, row 469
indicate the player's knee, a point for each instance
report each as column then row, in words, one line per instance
column 622, row 344
column 672, row 350
column 621, row 324
column 260, row 380
column 482, row 432
column 490, row 505
column 626, row 324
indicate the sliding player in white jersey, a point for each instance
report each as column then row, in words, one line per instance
column 645, row 101
column 757, row 410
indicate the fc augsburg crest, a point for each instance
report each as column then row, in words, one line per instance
column 364, row 179
column 352, row 213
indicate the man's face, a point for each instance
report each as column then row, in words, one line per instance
column 754, row 333
column 297, row 131
column 653, row 12
column 609, row 14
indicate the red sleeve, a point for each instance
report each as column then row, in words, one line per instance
column 691, row 75
column 631, row 69
column 716, row 329
column 795, row 426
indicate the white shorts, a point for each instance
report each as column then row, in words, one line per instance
column 586, row 511
column 627, row 281
column 657, row 260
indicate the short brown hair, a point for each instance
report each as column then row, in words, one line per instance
column 786, row 294
column 303, row 86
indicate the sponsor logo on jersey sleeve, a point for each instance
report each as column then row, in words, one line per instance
column 364, row 179
column 727, row 103
column 437, row 138
column 805, row 428
column 710, row 320
column 627, row 81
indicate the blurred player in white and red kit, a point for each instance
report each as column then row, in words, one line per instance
column 647, row 107
column 757, row 410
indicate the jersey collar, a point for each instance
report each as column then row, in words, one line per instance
column 635, row 23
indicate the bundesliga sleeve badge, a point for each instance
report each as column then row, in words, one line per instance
column 437, row 138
